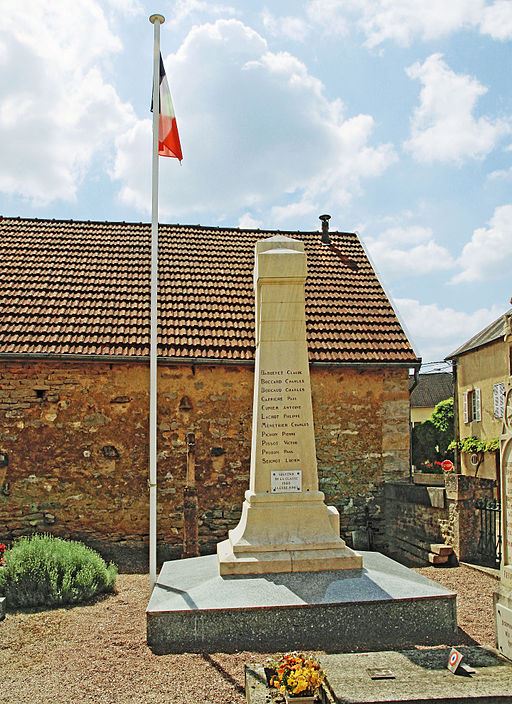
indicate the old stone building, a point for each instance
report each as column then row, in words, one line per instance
column 74, row 373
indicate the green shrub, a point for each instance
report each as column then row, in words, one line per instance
column 45, row 571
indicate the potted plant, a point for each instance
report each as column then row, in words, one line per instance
column 298, row 677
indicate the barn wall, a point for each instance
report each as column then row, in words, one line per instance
column 76, row 437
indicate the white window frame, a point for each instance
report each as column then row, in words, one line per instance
column 472, row 405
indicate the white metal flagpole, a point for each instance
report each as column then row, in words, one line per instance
column 156, row 20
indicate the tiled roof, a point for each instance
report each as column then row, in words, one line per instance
column 83, row 288
column 496, row 330
column 431, row 389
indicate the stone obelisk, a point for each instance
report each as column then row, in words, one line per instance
column 285, row 525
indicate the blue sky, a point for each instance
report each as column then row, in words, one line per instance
column 394, row 116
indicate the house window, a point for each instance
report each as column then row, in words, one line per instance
column 472, row 406
column 498, row 400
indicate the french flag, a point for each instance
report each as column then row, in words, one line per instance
column 168, row 137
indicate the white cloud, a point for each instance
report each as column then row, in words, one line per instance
column 437, row 332
column 257, row 131
column 443, row 127
column 187, row 9
column 294, row 28
column 333, row 16
column 497, row 20
column 488, row 255
column 248, row 222
column 403, row 21
column 500, row 175
column 401, row 252
column 130, row 8
column 60, row 110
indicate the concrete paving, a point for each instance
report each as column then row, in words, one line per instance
column 383, row 605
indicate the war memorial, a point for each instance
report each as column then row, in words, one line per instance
column 284, row 578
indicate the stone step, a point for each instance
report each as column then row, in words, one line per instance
column 441, row 549
column 438, row 559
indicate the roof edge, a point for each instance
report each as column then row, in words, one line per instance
column 144, row 359
column 172, row 224
column 473, row 344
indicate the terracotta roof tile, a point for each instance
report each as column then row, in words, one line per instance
column 83, row 288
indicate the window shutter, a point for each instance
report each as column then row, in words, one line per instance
column 498, row 398
column 465, row 406
column 478, row 406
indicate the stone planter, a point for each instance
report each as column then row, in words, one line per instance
column 300, row 700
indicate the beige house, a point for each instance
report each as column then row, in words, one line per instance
column 482, row 367
column 429, row 390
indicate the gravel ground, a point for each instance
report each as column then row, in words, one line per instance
column 97, row 654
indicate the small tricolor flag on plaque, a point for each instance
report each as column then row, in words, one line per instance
column 168, row 137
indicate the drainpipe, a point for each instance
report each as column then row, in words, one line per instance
column 414, row 385
column 190, row 503
column 456, row 429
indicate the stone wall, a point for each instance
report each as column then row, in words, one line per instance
column 75, row 434
column 417, row 516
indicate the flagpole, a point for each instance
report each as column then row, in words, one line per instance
column 156, row 20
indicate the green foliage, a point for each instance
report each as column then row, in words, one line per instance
column 45, row 571
column 443, row 417
column 474, row 444
column 432, row 440
column 430, row 445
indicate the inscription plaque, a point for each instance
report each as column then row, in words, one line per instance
column 286, row 482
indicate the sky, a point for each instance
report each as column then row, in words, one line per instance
column 394, row 116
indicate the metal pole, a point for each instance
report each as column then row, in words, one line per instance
column 156, row 20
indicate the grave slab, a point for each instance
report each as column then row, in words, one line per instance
column 420, row 677
column 193, row 608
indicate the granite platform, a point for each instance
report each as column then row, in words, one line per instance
column 384, row 605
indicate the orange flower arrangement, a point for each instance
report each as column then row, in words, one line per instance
column 297, row 675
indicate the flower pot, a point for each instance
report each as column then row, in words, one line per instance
column 300, row 699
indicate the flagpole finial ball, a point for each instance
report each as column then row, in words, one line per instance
column 157, row 18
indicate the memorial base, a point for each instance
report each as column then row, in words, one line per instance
column 384, row 605
column 279, row 533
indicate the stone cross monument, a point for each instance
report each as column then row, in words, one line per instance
column 503, row 596
column 285, row 525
